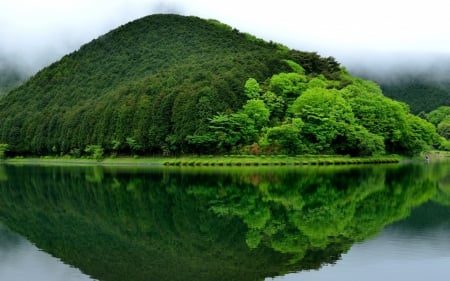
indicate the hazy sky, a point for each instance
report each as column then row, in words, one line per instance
column 34, row 33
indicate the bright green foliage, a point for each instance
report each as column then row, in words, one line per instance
column 257, row 111
column 327, row 117
column 359, row 141
column 438, row 115
column 276, row 104
column 288, row 85
column 310, row 114
column 295, row 67
column 159, row 79
column 403, row 132
column 252, row 89
column 444, row 144
column 94, row 151
column 287, row 136
column 444, row 128
column 317, row 82
column 3, row 150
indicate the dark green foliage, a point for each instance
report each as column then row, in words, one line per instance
column 423, row 88
column 157, row 80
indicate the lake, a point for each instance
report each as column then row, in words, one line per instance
column 368, row 222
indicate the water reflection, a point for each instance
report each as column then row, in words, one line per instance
column 246, row 224
column 414, row 249
column 20, row 260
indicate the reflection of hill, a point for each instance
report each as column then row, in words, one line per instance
column 429, row 215
column 121, row 225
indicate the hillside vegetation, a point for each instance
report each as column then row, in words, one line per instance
column 169, row 84
column 423, row 87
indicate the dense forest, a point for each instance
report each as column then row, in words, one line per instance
column 171, row 85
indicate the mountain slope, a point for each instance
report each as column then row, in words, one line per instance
column 10, row 77
column 153, row 81
column 423, row 86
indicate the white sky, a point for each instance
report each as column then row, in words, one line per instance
column 34, row 33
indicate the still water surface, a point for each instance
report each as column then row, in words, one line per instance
column 386, row 222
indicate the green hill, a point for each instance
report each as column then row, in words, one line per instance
column 169, row 84
column 154, row 81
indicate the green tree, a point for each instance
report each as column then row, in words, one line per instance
column 133, row 144
column 327, row 116
column 257, row 111
column 275, row 104
column 289, row 85
column 295, row 67
column 251, row 88
column 287, row 136
column 444, row 127
column 438, row 115
column 95, row 151
column 3, row 150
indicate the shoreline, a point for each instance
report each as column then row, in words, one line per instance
column 205, row 161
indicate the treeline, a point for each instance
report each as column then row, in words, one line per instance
column 150, row 83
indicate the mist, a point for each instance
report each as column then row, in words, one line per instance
column 44, row 31
column 383, row 37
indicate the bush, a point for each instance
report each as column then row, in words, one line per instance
column 94, row 151
column 3, row 150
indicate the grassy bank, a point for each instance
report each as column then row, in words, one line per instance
column 236, row 160
column 276, row 161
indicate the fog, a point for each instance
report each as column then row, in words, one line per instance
column 382, row 34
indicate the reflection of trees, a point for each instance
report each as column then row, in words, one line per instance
column 309, row 212
column 442, row 173
column 117, row 224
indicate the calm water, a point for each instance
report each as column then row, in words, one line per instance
column 386, row 222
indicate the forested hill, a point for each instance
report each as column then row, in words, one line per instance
column 424, row 87
column 171, row 85
column 155, row 81
column 10, row 77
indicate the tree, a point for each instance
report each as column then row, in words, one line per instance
column 133, row 144
column 3, row 150
column 95, row 151
column 251, row 88
column 287, row 136
column 257, row 111
column 326, row 115
column 438, row 115
column 378, row 114
column 444, row 127
column 289, row 85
